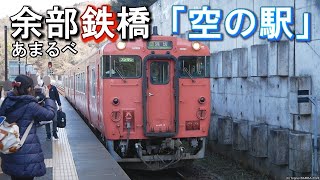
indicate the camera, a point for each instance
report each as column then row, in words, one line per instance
column 39, row 94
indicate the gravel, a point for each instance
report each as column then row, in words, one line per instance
column 213, row 167
column 216, row 166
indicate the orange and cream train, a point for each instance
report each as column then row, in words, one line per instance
column 149, row 100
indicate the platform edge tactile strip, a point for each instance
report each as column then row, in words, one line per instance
column 63, row 164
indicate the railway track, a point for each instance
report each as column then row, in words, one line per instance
column 173, row 174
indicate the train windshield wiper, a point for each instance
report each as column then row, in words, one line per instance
column 188, row 73
column 120, row 74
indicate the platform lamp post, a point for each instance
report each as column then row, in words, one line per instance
column 303, row 97
column 19, row 66
column 315, row 170
column 5, row 53
column 25, row 66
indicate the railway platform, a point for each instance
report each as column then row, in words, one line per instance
column 77, row 154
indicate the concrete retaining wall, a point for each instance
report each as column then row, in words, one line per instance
column 254, row 88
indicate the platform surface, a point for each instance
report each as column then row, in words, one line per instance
column 77, row 154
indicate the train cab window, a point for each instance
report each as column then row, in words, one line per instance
column 159, row 72
column 93, row 82
column 121, row 67
column 194, row 66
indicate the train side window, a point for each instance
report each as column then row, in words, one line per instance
column 67, row 82
column 194, row 66
column 121, row 66
column 71, row 86
column 72, row 82
column 76, row 82
column 83, row 82
column 80, row 82
column 159, row 72
column 93, row 82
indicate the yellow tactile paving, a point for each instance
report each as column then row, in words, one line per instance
column 63, row 164
column 48, row 163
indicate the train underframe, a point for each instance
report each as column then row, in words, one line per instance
column 158, row 153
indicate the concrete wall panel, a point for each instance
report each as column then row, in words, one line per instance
column 279, row 146
column 230, row 86
column 227, row 64
column 232, row 105
column 259, row 140
column 258, row 86
column 225, row 131
column 259, row 54
column 240, row 135
column 277, row 112
column 240, row 55
column 277, row 87
column 302, row 123
column 273, row 59
column 259, row 109
column 221, row 85
column 217, row 64
column 283, row 58
column 248, row 106
column 305, row 83
column 300, row 152
column 213, row 131
column 220, row 104
column 214, row 85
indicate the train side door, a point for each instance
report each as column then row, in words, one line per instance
column 99, row 98
column 160, row 101
column 88, row 94
column 74, row 88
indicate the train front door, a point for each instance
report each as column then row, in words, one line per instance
column 160, row 99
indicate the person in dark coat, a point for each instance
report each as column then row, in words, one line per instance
column 28, row 161
column 54, row 95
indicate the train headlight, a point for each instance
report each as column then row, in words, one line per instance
column 196, row 46
column 121, row 45
column 202, row 100
column 115, row 101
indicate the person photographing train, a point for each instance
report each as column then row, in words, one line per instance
column 54, row 95
column 22, row 108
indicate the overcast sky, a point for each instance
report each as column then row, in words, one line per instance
column 12, row 7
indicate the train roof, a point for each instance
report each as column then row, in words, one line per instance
column 179, row 47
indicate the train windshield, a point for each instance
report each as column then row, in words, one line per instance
column 194, row 66
column 121, row 66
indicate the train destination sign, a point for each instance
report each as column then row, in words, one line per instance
column 126, row 59
column 160, row 45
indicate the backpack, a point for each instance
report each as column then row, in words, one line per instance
column 61, row 119
column 9, row 133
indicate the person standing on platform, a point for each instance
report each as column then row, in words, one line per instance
column 54, row 95
column 21, row 107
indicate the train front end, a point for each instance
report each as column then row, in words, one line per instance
column 156, row 101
